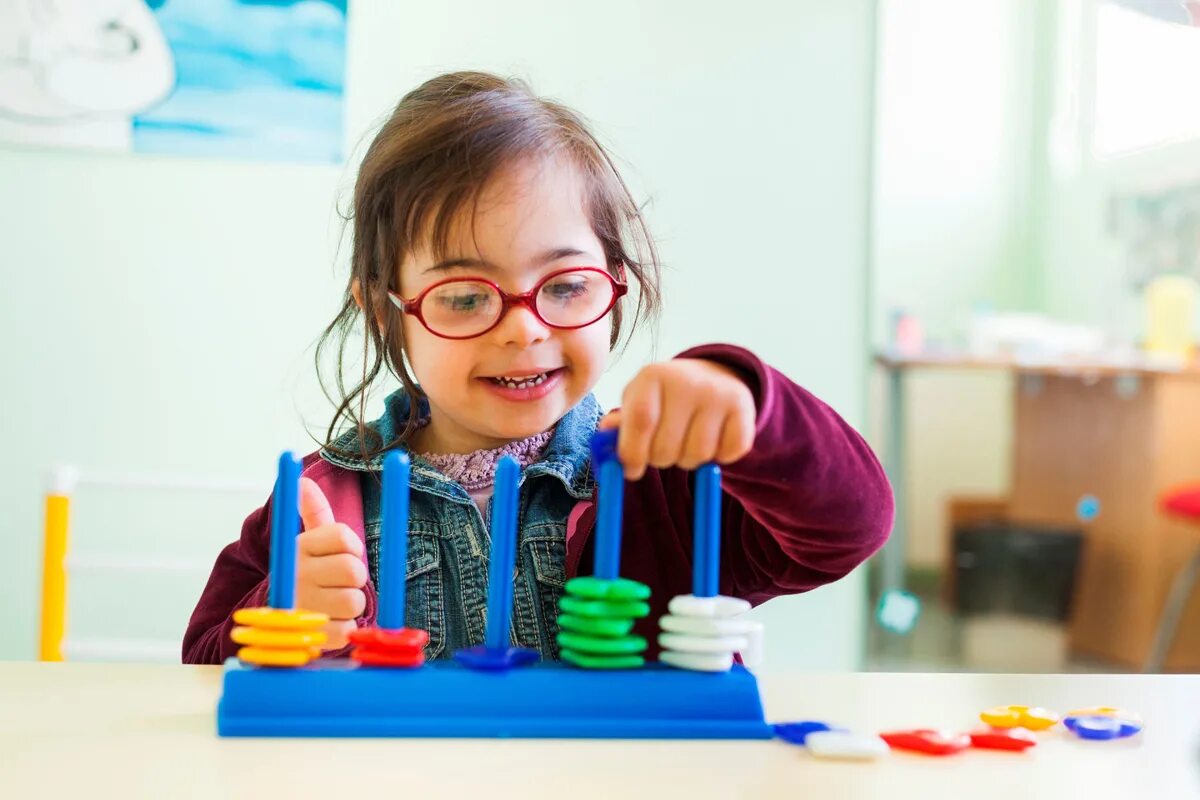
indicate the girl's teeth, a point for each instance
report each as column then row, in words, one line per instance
column 523, row 382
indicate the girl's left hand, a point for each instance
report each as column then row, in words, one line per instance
column 682, row 413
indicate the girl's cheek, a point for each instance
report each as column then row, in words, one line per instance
column 420, row 352
column 446, row 361
column 594, row 353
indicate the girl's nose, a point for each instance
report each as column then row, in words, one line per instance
column 521, row 327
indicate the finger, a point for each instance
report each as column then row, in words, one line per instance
column 703, row 438
column 345, row 604
column 314, row 508
column 669, row 436
column 341, row 571
column 737, row 437
column 640, row 410
column 610, row 420
column 337, row 632
column 330, row 540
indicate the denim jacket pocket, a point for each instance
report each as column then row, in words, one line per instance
column 426, row 609
column 544, row 559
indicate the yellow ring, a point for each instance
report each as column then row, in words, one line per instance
column 274, row 657
column 265, row 637
column 280, row 619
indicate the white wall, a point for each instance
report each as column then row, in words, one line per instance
column 952, row 152
column 155, row 312
column 953, row 148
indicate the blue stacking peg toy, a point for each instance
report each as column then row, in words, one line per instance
column 476, row 694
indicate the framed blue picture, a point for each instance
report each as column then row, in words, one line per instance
column 255, row 79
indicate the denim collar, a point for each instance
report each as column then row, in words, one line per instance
column 567, row 456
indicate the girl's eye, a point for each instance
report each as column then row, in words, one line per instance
column 566, row 289
column 463, row 301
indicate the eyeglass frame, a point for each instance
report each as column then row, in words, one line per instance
column 509, row 300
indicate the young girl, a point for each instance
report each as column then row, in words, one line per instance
column 494, row 243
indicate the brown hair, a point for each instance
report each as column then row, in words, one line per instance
column 431, row 159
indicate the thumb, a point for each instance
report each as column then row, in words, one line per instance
column 314, row 508
column 610, row 420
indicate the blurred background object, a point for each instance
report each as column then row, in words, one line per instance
column 1037, row 210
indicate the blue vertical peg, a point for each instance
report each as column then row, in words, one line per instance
column 495, row 653
column 504, row 553
column 707, row 532
column 285, row 525
column 393, row 545
column 611, row 479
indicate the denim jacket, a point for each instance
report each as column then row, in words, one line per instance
column 449, row 542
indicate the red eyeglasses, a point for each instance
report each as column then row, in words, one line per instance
column 463, row 308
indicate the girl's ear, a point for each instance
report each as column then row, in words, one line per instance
column 356, row 291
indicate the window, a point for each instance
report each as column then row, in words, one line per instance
column 1147, row 75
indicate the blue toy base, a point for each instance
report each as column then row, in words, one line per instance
column 445, row 699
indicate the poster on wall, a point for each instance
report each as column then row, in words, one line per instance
column 247, row 79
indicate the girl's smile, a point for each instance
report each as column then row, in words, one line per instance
column 525, row 386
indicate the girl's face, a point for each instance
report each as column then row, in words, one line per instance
column 530, row 221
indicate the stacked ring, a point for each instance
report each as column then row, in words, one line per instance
column 278, row 637
column 383, row 647
column 702, row 633
column 596, row 623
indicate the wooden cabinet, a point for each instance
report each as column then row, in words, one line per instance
column 1124, row 439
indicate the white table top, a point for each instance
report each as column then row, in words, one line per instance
column 95, row 730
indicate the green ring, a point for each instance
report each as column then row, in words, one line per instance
column 594, row 626
column 604, row 609
column 601, row 662
column 601, row 646
column 594, row 588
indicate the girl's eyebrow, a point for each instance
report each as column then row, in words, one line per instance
column 547, row 257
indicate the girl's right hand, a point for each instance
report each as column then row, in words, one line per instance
column 331, row 572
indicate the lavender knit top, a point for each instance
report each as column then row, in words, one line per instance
column 476, row 471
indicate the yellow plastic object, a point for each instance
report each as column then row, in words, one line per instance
column 54, row 578
column 275, row 657
column 265, row 637
column 1029, row 717
column 1105, row 711
column 280, row 619
column 1170, row 315
column 278, row 637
